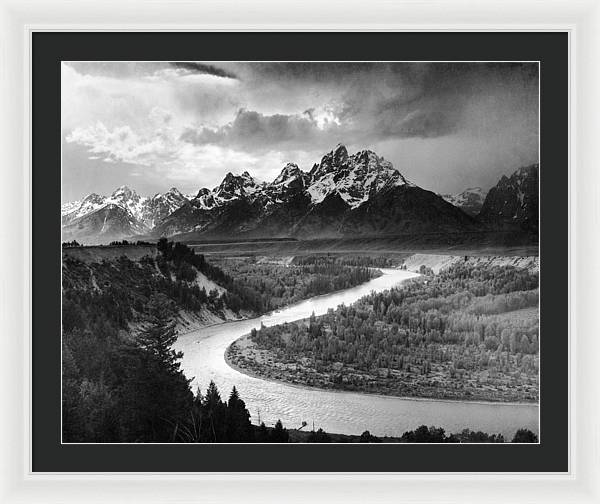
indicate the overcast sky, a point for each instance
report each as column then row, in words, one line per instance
column 151, row 126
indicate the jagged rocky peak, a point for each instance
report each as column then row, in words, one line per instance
column 203, row 192
column 124, row 192
column 204, row 199
column 340, row 155
column 331, row 162
column 354, row 178
column 520, row 176
column 93, row 198
column 370, row 163
column 526, row 173
column 369, row 159
column 364, row 160
column 514, row 200
column 289, row 172
column 234, row 186
column 172, row 194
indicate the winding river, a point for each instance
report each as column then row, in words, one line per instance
column 340, row 412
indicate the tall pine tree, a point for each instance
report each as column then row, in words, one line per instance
column 156, row 393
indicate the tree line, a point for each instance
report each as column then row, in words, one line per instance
column 364, row 261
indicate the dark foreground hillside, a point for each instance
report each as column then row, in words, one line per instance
column 121, row 379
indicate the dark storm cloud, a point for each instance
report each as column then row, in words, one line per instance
column 127, row 69
column 201, row 68
column 377, row 102
column 253, row 130
column 433, row 100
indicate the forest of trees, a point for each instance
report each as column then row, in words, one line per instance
column 276, row 285
column 468, row 332
column 121, row 387
column 118, row 386
column 119, row 290
column 365, row 261
column 120, row 390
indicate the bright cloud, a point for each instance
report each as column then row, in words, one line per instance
column 190, row 123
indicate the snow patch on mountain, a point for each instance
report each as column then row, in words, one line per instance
column 470, row 200
column 144, row 211
column 354, row 177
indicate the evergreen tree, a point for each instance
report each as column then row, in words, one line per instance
column 155, row 393
column 239, row 428
column 524, row 436
column 367, row 437
column 214, row 415
column 158, row 339
column 279, row 434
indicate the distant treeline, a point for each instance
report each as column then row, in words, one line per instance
column 122, row 243
column 70, row 244
column 348, row 260
column 275, row 285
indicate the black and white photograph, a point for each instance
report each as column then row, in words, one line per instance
column 300, row 252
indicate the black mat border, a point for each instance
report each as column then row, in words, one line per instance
column 49, row 48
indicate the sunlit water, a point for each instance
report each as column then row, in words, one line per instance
column 340, row 412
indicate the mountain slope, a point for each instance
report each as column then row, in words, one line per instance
column 406, row 209
column 513, row 202
column 103, row 225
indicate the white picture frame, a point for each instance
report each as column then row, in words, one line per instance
column 19, row 19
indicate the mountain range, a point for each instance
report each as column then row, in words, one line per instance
column 343, row 195
column 98, row 219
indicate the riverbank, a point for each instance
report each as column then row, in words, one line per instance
column 244, row 356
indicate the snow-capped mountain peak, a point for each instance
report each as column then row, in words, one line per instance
column 235, row 186
column 175, row 191
column 340, row 154
column 124, row 192
column 143, row 212
column 76, row 209
column 342, row 193
column 355, row 178
column 289, row 172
